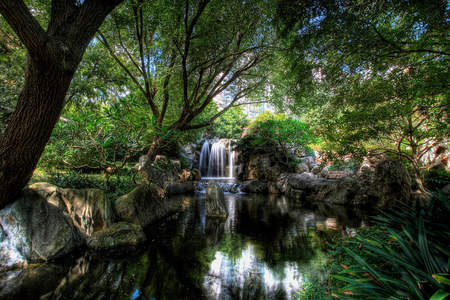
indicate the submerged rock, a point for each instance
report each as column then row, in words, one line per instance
column 215, row 201
column 121, row 234
column 254, row 186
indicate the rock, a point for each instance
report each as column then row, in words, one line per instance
column 272, row 187
column 173, row 188
column 320, row 171
column 254, row 186
column 121, row 234
column 144, row 206
column 298, row 195
column 184, row 176
column 301, row 168
column 341, row 191
column 257, row 166
column 273, row 173
column 366, row 196
column 373, row 158
column 189, row 187
column 10, row 257
column 421, row 200
column 309, row 161
column 196, row 174
column 392, row 183
column 215, row 201
column 37, row 229
column 300, row 181
column 437, row 166
column 89, row 209
column 446, row 190
column 282, row 182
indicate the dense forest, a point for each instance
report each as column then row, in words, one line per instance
column 91, row 86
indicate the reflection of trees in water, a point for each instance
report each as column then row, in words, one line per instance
column 262, row 252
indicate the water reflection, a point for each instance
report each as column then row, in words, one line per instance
column 261, row 251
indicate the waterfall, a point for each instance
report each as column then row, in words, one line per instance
column 204, row 159
column 231, row 159
column 217, row 161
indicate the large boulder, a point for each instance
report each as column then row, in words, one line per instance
column 301, row 168
column 300, row 181
column 392, row 183
column 173, row 188
column 373, row 158
column 37, row 229
column 309, row 161
column 341, row 191
column 121, row 234
column 145, row 206
column 254, row 186
column 215, row 201
column 10, row 257
column 89, row 209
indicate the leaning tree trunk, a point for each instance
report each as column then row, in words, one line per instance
column 53, row 57
column 37, row 111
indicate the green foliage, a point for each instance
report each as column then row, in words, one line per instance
column 277, row 136
column 230, row 125
column 436, row 179
column 416, row 256
column 99, row 139
column 113, row 188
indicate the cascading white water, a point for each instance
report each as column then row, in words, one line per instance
column 231, row 159
column 204, row 159
column 217, row 161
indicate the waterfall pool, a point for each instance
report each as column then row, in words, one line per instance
column 265, row 249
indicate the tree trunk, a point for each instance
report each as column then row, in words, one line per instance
column 37, row 111
column 154, row 148
column 53, row 58
column 418, row 177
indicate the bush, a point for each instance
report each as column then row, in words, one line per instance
column 415, row 260
column 278, row 136
column 434, row 180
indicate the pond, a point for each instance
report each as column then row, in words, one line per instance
column 266, row 248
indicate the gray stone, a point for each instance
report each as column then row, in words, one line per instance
column 282, row 182
column 215, row 201
column 89, row 209
column 437, row 166
column 309, row 161
column 254, row 186
column 446, row 190
column 173, row 188
column 300, row 181
column 189, row 187
column 341, row 191
column 121, row 234
column 298, row 195
column 38, row 229
column 145, row 206
column 392, row 183
column 373, row 158
column 272, row 187
column 301, row 168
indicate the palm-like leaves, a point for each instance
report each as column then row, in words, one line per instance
column 418, row 258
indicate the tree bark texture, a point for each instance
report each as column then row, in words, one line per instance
column 53, row 57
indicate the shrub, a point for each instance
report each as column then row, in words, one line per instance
column 415, row 258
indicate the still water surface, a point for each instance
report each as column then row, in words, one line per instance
column 266, row 248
